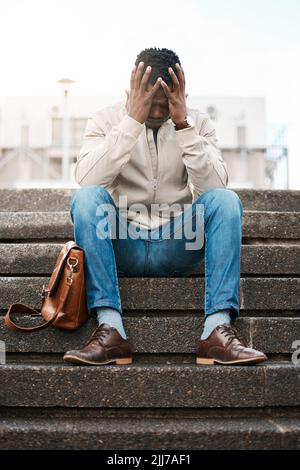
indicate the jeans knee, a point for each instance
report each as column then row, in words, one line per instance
column 230, row 202
column 225, row 199
column 87, row 198
column 234, row 201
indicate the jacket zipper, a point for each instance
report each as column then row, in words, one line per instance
column 155, row 175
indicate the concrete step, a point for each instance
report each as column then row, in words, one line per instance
column 257, row 294
column 59, row 199
column 164, row 382
column 159, row 333
column 39, row 258
column 158, row 429
column 58, row 225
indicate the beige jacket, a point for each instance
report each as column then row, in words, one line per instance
column 120, row 154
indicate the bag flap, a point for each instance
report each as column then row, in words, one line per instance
column 60, row 264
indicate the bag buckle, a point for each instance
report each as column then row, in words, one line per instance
column 72, row 266
column 44, row 292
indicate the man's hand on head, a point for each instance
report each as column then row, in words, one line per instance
column 176, row 96
column 139, row 99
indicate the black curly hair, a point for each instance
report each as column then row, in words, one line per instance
column 160, row 60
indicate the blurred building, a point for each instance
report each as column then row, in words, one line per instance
column 31, row 139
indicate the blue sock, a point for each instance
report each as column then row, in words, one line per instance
column 214, row 320
column 111, row 317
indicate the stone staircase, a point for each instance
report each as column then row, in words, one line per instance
column 163, row 400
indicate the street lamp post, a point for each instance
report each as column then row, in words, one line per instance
column 66, row 83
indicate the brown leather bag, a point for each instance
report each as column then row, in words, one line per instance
column 64, row 301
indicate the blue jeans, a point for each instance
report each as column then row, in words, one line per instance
column 154, row 255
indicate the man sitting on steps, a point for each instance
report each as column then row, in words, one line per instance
column 151, row 172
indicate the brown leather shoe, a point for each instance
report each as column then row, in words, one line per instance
column 105, row 346
column 223, row 346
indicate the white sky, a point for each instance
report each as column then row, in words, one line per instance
column 227, row 47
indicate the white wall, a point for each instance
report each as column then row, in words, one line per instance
column 233, row 112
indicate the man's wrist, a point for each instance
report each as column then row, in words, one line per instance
column 184, row 124
column 136, row 118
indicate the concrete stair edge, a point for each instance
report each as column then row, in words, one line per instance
column 58, row 225
column 169, row 293
column 161, row 385
column 53, row 198
column 39, row 258
column 154, row 334
column 228, row 432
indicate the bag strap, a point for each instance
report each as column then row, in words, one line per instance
column 21, row 308
column 25, row 309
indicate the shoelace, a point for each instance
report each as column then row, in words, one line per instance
column 99, row 334
column 230, row 332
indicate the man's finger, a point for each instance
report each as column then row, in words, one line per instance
column 179, row 68
column 180, row 76
column 174, row 78
column 166, row 89
column 132, row 77
column 155, row 87
column 146, row 77
column 127, row 98
column 138, row 75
